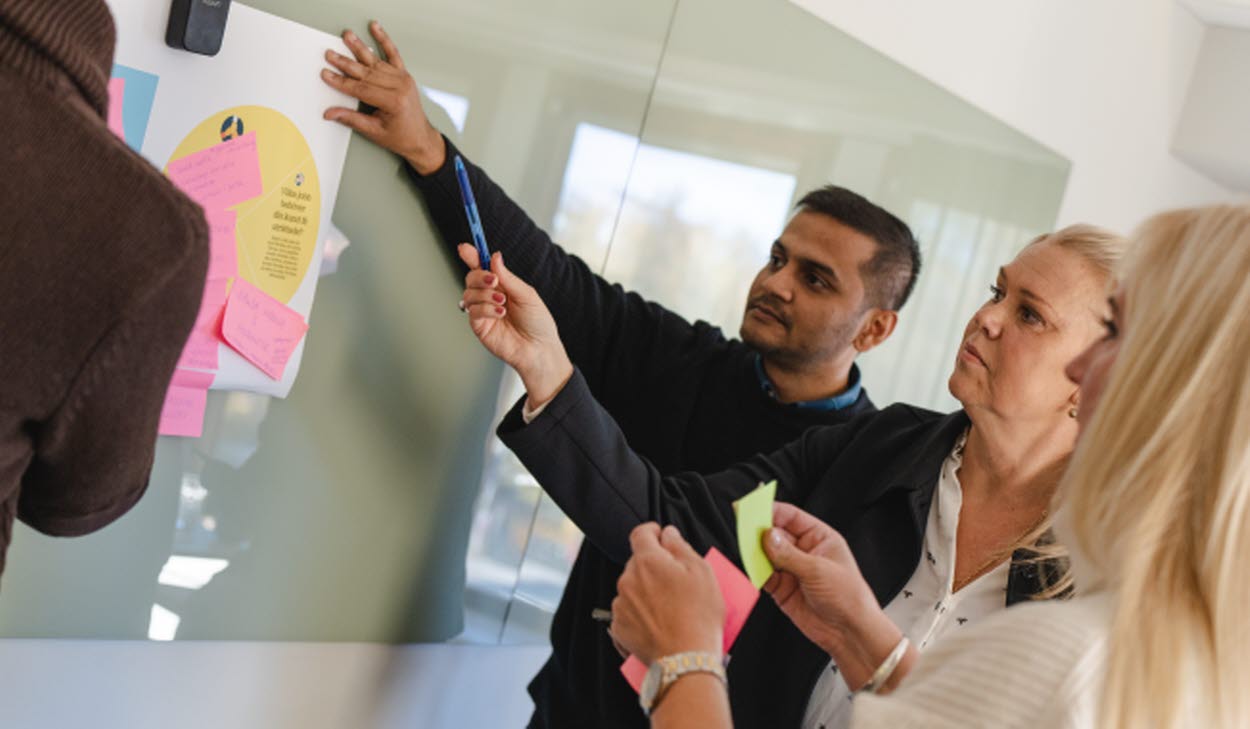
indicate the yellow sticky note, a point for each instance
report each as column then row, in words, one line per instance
column 755, row 516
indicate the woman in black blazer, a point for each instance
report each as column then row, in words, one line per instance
column 873, row 479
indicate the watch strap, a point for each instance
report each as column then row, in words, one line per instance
column 682, row 664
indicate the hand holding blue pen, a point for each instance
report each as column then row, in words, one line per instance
column 510, row 319
column 470, row 210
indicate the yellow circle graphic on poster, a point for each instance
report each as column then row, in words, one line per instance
column 276, row 232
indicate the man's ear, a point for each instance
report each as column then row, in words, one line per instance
column 877, row 327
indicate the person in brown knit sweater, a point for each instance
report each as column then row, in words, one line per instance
column 102, row 265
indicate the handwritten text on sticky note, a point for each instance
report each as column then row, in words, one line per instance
column 183, row 411
column 261, row 328
column 200, row 351
column 223, row 259
column 221, row 176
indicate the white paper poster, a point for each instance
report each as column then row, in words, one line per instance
column 242, row 133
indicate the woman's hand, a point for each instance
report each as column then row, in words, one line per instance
column 398, row 121
column 667, row 599
column 819, row 587
column 512, row 322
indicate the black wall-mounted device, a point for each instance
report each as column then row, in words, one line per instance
column 197, row 25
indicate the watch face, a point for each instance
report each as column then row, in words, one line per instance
column 650, row 685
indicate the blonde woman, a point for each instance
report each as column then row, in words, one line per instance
column 1156, row 515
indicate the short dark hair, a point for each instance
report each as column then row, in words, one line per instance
column 890, row 275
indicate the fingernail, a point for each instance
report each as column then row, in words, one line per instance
column 490, row 280
column 499, row 310
column 498, row 298
column 774, row 537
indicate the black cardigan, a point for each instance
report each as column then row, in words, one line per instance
column 684, row 395
column 872, row 479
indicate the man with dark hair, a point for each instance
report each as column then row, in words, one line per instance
column 686, row 397
column 896, row 264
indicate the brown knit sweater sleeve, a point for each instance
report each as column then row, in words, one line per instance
column 93, row 455
column 102, row 266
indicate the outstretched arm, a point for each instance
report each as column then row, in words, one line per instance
column 599, row 322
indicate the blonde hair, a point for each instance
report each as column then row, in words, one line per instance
column 1102, row 250
column 1159, row 485
column 1098, row 247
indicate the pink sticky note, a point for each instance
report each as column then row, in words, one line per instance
column 117, row 96
column 183, row 412
column 261, row 328
column 739, row 594
column 221, row 176
column 740, row 597
column 192, row 379
column 223, row 259
column 634, row 672
column 211, row 305
column 200, row 351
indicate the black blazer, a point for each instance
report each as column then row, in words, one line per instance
column 872, row 479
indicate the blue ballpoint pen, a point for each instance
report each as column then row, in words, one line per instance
column 470, row 209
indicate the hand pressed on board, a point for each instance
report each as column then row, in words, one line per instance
column 397, row 120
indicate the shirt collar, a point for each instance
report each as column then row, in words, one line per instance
column 842, row 400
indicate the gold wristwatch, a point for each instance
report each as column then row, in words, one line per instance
column 665, row 671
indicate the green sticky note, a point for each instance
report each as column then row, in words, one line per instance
column 755, row 516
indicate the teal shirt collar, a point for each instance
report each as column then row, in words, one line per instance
column 837, row 402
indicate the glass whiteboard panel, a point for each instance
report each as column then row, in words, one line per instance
column 343, row 513
column 756, row 103
column 374, row 504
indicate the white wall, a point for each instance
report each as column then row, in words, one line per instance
column 1212, row 131
column 1101, row 82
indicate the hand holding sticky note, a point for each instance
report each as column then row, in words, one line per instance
column 755, row 517
column 739, row 596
